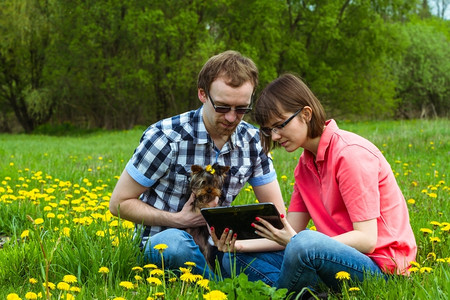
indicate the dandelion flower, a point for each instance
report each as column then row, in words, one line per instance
column 137, row 269
column 138, row 278
column 150, row 266
column 119, row 298
column 188, row 277
column 50, row 285
column 38, row 221
column 31, row 296
column 425, row 269
column 184, row 270
column 204, row 283
column 13, row 296
column 126, row 284
column 157, row 272
column 25, row 234
column 413, row 269
column 75, row 289
column 70, row 279
column 189, row 263
column 411, row 201
column 431, row 255
column 284, row 177
column 342, row 275
column 154, row 280
column 103, row 270
column 32, row 280
column 434, row 239
column 63, row 286
column 160, row 247
column 414, row 263
column 426, row 230
column 354, row 289
column 215, row 295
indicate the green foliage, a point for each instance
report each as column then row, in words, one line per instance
column 240, row 288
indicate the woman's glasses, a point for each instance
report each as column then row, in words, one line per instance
column 225, row 109
column 267, row 131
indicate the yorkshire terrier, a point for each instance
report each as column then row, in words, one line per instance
column 206, row 184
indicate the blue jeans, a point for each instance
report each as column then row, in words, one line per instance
column 309, row 258
column 181, row 249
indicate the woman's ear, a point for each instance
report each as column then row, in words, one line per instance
column 307, row 113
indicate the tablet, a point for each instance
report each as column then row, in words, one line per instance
column 240, row 217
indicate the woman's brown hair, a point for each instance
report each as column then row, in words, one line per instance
column 287, row 93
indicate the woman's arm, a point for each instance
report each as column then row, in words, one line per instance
column 363, row 237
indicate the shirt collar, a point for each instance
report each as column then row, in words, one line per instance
column 325, row 139
column 201, row 135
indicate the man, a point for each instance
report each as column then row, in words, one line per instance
column 153, row 190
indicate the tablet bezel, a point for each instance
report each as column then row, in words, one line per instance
column 239, row 218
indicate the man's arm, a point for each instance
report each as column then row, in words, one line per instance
column 126, row 204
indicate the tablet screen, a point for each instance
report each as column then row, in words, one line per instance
column 240, row 217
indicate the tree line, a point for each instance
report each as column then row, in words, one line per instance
column 120, row 63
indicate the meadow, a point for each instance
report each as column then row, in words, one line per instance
column 59, row 241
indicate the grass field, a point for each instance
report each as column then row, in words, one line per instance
column 56, row 230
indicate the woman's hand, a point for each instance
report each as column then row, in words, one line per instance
column 227, row 241
column 280, row 236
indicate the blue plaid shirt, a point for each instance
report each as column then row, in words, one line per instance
column 167, row 150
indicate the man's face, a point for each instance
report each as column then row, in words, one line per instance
column 222, row 95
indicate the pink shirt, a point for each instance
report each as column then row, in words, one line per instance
column 353, row 182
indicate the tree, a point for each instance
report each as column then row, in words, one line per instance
column 25, row 32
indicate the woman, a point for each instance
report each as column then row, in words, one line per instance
column 343, row 183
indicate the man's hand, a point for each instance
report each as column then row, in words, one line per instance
column 187, row 218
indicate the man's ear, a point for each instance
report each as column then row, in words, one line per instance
column 196, row 169
column 202, row 95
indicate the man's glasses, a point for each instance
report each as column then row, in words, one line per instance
column 225, row 109
column 267, row 131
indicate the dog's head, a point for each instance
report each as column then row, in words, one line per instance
column 206, row 183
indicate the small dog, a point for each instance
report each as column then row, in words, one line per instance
column 206, row 184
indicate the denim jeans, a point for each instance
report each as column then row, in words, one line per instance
column 181, row 249
column 309, row 258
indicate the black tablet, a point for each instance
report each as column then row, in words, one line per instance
column 240, row 217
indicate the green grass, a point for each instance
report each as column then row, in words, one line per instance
column 67, row 180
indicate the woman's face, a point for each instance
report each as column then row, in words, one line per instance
column 290, row 131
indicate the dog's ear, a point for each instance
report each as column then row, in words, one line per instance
column 222, row 169
column 196, row 169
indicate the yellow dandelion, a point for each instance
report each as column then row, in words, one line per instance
column 157, row 272
column 284, row 177
column 342, row 275
column 50, row 285
column 13, row 296
column 160, row 247
column 414, row 263
column 32, row 280
column 103, row 270
column 68, row 297
column 426, row 270
column 173, row 279
column 413, row 269
column 38, row 221
column 354, row 289
column 75, row 289
column 138, row 278
column 184, row 270
column 190, row 263
column 215, row 295
column 432, row 195
column 154, row 280
column 426, row 230
column 150, row 266
column 63, row 286
column 31, row 296
column 313, row 228
column 431, row 255
column 66, row 231
column 446, row 228
column 150, row 298
column 127, row 285
column 204, row 283
column 70, row 278
column 25, row 234
column 411, row 201
column 435, row 239
column 137, row 269
column 188, row 277
column 119, row 298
